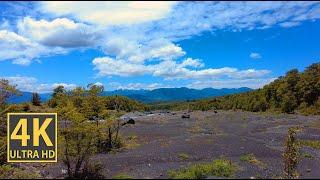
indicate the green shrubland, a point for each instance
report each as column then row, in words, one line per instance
column 294, row 92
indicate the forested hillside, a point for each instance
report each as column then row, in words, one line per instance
column 296, row 91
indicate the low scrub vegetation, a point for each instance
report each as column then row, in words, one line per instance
column 122, row 176
column 251, row 158
column 10, row 172
column 183, row 156
column 311, row 143
column 219, row 168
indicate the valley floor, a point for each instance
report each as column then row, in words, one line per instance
column 163, row 141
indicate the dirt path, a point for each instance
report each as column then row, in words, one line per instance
column 162, row 138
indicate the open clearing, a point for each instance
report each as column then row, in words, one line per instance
column 162, row 141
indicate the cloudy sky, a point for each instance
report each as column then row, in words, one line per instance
column 147, row 45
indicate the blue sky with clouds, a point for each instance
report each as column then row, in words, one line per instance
column 147, row 45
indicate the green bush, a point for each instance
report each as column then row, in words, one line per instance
column 9, row 172
column 219, row 167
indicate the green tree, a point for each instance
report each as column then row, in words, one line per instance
column 59, row 95
column 35, row 99
column 6, row 91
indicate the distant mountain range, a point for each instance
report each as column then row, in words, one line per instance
column 151, row 96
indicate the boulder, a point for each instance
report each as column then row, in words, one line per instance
column 185, row 116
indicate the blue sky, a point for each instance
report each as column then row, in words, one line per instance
column 147, row 45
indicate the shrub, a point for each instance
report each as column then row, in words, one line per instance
column 35, row 100
column 92, row 171
column 250, row 158
column 219, row 167
column 9, row 172
column 183, row 156
column 291, row 154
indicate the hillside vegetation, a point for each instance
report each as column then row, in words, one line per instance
column 296, row 91
column 79, row 137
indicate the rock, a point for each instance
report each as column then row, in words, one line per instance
column 64, row 171
column 131, row 121
column 185, row 116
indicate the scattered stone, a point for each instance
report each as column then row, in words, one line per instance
column 64, row 171
column 185, row 116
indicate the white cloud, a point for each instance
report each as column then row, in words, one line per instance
column 289, row 24
column 108, row 67
column 232, row 83
column 136, row 52
column 109, row 13
column 189, row 62
column 141, row 38
column 137, row 86
column 255, row 55
column 20, row 49
column 170, row 69
column 31, row 84
column 60, row 32
column 98, row 84
column 142, row 31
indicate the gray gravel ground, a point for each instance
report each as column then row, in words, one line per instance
column 205, row 136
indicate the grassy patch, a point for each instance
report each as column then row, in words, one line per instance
column 219, row 167
column 250, row 158
column 307, row 155
column 183, row 156
column 131, row 142
column 122, row 176
column 311, row 143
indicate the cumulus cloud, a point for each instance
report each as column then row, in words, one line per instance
column 31, row 84
column 170, row 70
column 136, row 52
column 21, row 50
column 61, row 32
column 255, row 55
column 109, row 13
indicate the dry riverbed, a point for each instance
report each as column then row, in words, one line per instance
column 163, row 141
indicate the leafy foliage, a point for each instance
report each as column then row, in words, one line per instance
column 90, row 124
column 6, row 91
column 10, row 172
column 35, row 99
column 291, row 154
column 296, row 91
column 219, row 167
